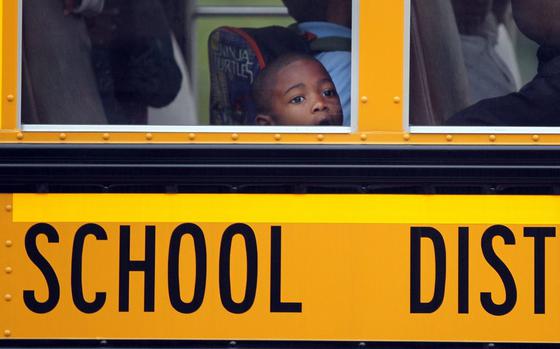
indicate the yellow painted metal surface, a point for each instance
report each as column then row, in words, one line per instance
column 345, row 268
column 382, row 25
column 380, row 99
column 9, row 64
column 1, row 57
column 366, row 137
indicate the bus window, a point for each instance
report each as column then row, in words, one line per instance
column 475, row 63
column 185, row 63
column 102, row 64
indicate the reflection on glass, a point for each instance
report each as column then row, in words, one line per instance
column 469, row 63
column 135, row 62
column 235, row 64
column 97, row 62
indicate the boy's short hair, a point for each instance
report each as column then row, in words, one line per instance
column 307, row 10
column 265, row 81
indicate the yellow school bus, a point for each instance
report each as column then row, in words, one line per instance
column 392, row 230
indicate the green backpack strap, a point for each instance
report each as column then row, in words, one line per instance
column 331, row 43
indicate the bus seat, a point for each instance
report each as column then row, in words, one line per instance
column 438, row 77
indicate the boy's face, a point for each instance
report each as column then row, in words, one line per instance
column 304, row 95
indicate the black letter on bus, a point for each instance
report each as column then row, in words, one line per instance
column 502, row 270
column 539, row 235
column 76, row 275
column 173, row 268
column 225, row 279
column 148, row 266
column 416, row 305
column 276, row 304
column 463, row 270
column 48, row 272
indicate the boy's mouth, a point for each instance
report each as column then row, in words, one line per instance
column 331, row 120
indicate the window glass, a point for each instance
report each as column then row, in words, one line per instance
column 474, row 63
column 240, row 2
column 186, row 62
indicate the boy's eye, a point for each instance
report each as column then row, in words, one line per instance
column 329, row 93
column 297, row 100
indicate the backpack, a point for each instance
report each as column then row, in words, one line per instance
column 238, row 55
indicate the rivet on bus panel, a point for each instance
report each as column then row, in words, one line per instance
column 449, row 138
column 7, row 297
column 320, row 137
column 363, row 137
column 492, row 138
column 536, row 138
column 364, row 99
column 235, row 136
column 278, row 137
column 192, row 136
column 10, row 98
column 19, row 136
column 7, row 333
column 396, row 99
column 8, row 270
column 149, row 136
column 8, row 243
column 62, row 136
column 406, row 136
column 106, row 136
column 8, row 208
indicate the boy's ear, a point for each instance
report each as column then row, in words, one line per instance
column 264, row 120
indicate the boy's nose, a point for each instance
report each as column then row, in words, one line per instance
column 319, row 106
